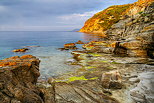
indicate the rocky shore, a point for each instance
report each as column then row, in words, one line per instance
column 117, row 69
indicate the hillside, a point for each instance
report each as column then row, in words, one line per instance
column 103, row 20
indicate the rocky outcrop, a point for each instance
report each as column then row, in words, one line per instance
column 133, row 30
column 18, row 77
column 105, row 19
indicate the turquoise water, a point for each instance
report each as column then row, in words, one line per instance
column 52, row 60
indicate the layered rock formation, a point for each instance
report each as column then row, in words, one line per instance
column 18, row 77
column 131, row 34
column 133, row 28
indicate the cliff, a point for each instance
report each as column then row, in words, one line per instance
column 18, row 76
column 104, row 20
column 131, row 25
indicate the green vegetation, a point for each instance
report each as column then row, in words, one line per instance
column 90, row 67
column 106, row 18
column 95, row 54
column 94, row 78
column 76, row 78
column 112, row 15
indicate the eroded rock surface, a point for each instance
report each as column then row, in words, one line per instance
column 18, row 76
column 144, row 91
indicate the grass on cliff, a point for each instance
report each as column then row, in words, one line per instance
column 112, row 15
column 107, row 17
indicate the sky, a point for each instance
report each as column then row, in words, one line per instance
column 50, row 15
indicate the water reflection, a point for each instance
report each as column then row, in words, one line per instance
column 93, row 37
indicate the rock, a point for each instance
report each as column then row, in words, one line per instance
column 79, row 42
column 32, row 46
column 119, row 50
column 144, row 92
column 18, row 77
column 79, row 55
column 80, row 93
column 63, row 49
column 111, row 80
column 70, row 46
column 51, row 80
column 21, row 50
column 134, row 80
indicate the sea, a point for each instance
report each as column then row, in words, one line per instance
column 53, row 61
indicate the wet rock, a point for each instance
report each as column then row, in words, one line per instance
column 79, row 42
column 63, row 49
column 18, row 77
column 70, row 46
column 111, row 80
column 79, row 55
column 20, row 50
column 144, row 92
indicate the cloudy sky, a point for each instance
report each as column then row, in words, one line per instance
column 50, row 14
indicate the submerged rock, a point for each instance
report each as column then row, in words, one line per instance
column 18, row 77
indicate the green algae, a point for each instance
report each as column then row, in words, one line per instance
column 115, row 62
column 90, row 67
column 104, row 61
column 94, row 78
column 95, row 54
column 76, row 78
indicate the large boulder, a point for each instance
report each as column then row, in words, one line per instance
column 111, row 80
column 18, row 77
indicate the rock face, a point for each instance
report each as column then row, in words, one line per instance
column 18, row 76
column 133, row 29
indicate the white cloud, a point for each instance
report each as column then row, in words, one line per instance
column 3, row 9
column 75, row 16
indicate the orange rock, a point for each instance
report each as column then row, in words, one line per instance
column 70, row 46
column 21, row 50
column 79, row 42
column 112, row 45
column 27, row 56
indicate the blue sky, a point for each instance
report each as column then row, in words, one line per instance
column 50, row 15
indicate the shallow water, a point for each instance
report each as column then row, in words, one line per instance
column 52, row 60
